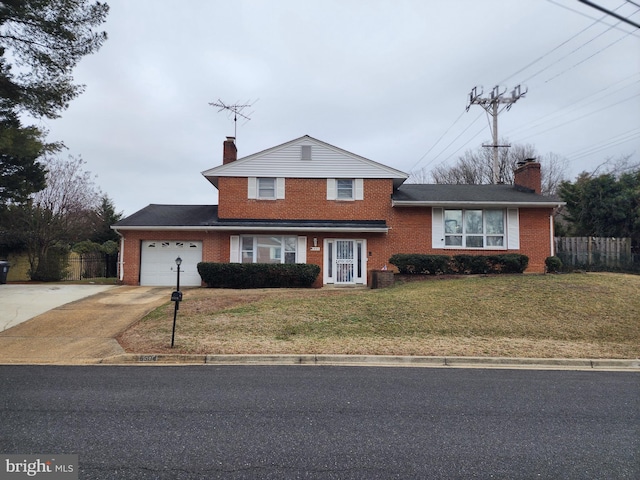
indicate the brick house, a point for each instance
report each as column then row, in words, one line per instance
column 306, row 201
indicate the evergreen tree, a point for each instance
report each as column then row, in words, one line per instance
column 606, row 205
column 46, row 39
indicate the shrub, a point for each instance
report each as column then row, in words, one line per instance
column 258, row 275
column 419, row 264
column 52, row 267
column 553, row 264
column 86, row 246
column 470, row 264
column 509, row 263
column 466, row 264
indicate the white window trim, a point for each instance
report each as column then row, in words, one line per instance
column 358, row 189
column 511, row 232
column 253, row 191
column 235, row 252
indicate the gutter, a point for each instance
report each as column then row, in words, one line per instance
column 120, row 255
column 457, row 203
column 233, row 228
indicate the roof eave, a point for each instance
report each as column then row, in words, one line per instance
column 458, row 203
column 247, row 228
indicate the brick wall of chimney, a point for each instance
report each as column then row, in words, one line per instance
column 528, row 176
column 230, row 152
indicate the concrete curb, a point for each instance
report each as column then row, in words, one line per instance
column 375, row 361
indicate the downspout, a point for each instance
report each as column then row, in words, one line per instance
column 552, row 234
column 120, row 256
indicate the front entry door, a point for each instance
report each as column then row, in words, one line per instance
column 344, row 261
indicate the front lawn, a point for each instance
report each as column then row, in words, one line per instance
column 578, row 316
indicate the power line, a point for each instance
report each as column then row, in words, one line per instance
column 567, row 55
column 454, row 140
column 464, row 144
column 601, row 20
column 609, row 12
column 581, row 117
column 529, row 65
column 437, row 141
column 604, row 144
column 590, row 56
column 540, row 120
column 551, row 51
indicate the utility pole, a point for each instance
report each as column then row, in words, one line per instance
column 491, row 104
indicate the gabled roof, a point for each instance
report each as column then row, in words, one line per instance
column 286, row 161
column 205, row 217
column 437, row 195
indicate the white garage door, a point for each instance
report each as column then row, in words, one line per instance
column 158, row 263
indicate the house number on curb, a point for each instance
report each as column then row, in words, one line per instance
column 148, row 358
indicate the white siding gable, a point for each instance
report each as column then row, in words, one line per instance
column 287, row 161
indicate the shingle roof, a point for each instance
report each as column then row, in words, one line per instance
column 171, row 216
column 206, row 217
column 428, row 194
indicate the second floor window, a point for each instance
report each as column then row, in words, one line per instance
column 344, row 189
column 266, row 188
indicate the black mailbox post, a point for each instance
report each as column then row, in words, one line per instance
column 177, row 298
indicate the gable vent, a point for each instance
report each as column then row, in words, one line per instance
column 305, row 153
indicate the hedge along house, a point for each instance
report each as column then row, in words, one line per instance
column 306, row 201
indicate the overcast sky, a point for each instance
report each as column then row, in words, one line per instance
column 388, row 80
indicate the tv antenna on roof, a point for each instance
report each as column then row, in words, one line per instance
column 235, row 109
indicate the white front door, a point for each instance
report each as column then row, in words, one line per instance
column 345, row 262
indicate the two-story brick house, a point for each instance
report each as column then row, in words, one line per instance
column 306, row 201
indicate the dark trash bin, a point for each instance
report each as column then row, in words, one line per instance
column 4, row 271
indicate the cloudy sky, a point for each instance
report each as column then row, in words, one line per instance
column 388, row 80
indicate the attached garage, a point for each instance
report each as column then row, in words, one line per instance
column 158, row 262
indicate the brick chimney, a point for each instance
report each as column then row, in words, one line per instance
column 230, row 152
column 527, row 175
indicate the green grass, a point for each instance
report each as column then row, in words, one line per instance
column 526, row 315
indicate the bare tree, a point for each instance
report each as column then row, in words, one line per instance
column 60, row 213
column 475, row 167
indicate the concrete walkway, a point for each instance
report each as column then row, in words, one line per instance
column 82, row 331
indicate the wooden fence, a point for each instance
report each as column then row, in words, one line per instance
column 597, row 253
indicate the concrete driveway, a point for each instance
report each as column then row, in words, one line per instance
column 68, row 324
column 23, row 302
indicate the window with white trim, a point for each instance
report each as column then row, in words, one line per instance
column 268, row 249
column 344, row 189
column 266, row 188
column 475, row 228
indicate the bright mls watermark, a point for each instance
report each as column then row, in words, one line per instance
column 51, row 467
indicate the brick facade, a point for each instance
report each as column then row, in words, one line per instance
column 305, row 199
column 409, row 228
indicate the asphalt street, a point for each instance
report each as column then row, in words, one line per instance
column 232, row 422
